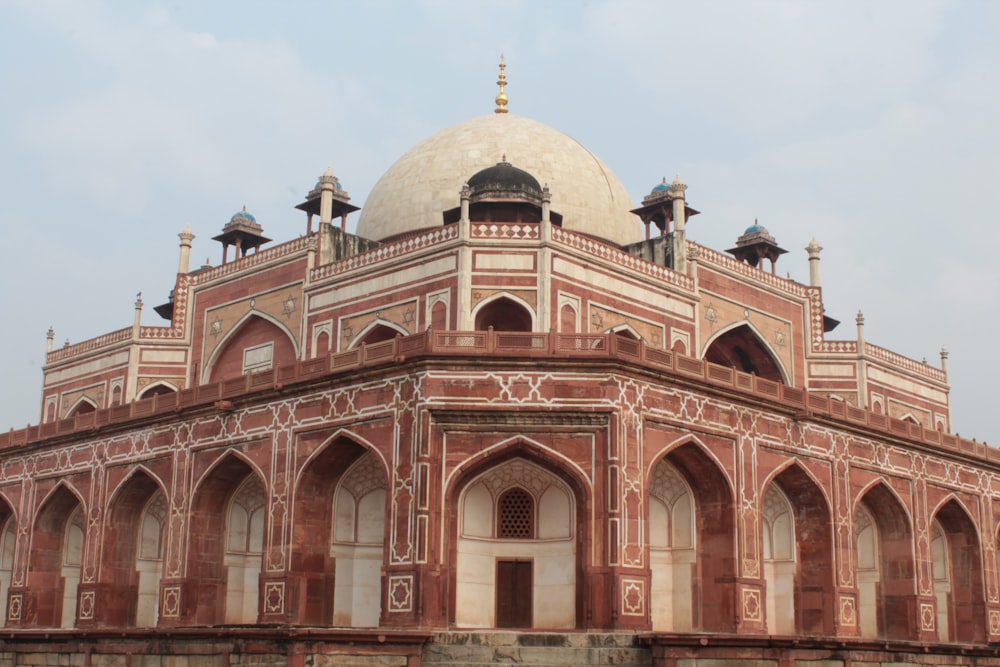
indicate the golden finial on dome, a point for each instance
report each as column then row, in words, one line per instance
column 501, row 98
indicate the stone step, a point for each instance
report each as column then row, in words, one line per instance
column 534, row 649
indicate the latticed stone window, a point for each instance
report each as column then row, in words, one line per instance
column 516, row 515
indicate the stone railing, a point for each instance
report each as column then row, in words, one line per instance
column 480, row 345
column 105, row 340
column 621, row 258
column 387, row 251
column 713, row 257
column 255, row 259
column 899, row 360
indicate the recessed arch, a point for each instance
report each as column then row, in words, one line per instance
column 82, row 406
column 352, row 596
column 57, row 544
column 713, row 601
column 887, row 594
column 958, row 576
column 523, row 446
column 625, row 331
column 210, row 567
column 504, row 312
column 225, row 459
column 256, row 328
column 378, row 331
column 741, row 346
column 130, row 581
column 158, row 388
column 564, row 548
column 694, row 440
column 812, row 603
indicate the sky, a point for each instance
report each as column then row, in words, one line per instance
column 870, row 126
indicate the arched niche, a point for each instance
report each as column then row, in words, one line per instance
column 157, row 389
column 255, row 344
column 516, row 549
column 83, row 406
column 327, row 500
column 958, row 576
column 134, row 534
column 532, row 576
column 228, row 504
column 709, row 605
column 886, row 578
column 503, row 313
column 56, row 558
column 798, row 551
column 377, row 332
column 743, row 349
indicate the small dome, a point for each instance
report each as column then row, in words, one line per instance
column 660, row 187
column 243, row 216
column 504, row 181
column 756, row 229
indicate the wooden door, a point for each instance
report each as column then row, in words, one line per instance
column 513, row 594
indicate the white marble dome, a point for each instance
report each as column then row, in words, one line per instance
column 427, row 180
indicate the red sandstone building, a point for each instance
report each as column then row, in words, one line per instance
column 512, row 401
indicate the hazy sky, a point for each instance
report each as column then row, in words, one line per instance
column 873, row 126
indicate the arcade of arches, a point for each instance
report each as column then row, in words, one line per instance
column 520, row 530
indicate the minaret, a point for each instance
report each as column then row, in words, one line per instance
column 186, row 237
column 501, row 98
column 50, row 338
column 676, row 190
column 137, row 321
column 814, row 249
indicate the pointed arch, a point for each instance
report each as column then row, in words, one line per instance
column 439, row 314
column 742, row 347
column 82, row 406
column 158, row 388
column 713, row 601
column 504, row 312
column 255, row 330
column 958, row 575
column 378, row 331
column 56, row 551
column 209, row 533
column 131, row 582
column 813, row 605
column 625, row 331
column 324, row 570
column 888, row 592
column 476, row 595
column 567, row 318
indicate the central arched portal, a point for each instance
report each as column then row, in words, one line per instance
column 516, row 549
